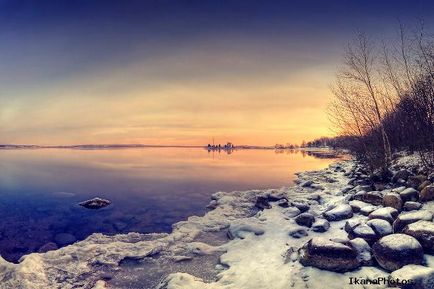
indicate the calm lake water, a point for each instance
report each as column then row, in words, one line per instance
column 151, row 188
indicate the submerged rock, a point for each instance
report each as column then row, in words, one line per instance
column 95, row 203
column 423, row 231
column 397, row 250
column 338, row 213
column 63, row 239
column 50, row 246
column 325, row 254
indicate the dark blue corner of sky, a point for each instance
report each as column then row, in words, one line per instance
column 48, row 39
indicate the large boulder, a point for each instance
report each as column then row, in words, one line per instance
column 325, row 254
column 397, row 250
column 421, row 277
column 411, row 217
column 388, row 213
column 423, row 231
column 427, row 194
column 380, row 227
column 338, row 213
column 409, row 194
column 392, row 200
column 305, row 219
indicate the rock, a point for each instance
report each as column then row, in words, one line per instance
column 410, row 217
column 427, row 194
column 416, row 181
column 367, row 210
column 424, row 185
column 409, row 194
column 325, row 254
column 303, row 207
column 338, row 213
column 412, row 206
column 298, row 232
column 363, row 231
column 373, row 197
column 423, row 231
column 422, row 277
column 95, row 203
column 346, row 189
column 392, row 200
column 351, row 224
column 305, row 219
column 397, row 250
column 63, row 239
column 357, row 205
column 364, row 255
column 380, row 227
column 306, row 184
column 291, row 212
column 401, row 174
column 388, row 213
column 50, row 246
column 320, row 226
column 398, row 189
column 262, row 203
column 119, row 225
column 283, row 203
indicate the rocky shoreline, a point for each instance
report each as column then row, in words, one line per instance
column 336, row 226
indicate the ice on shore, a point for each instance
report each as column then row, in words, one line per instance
column 237, row 245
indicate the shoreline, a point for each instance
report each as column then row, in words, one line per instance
column 248, row 239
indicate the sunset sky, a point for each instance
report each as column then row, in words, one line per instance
column 178, row 72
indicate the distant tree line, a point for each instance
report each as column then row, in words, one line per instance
column 384, row 98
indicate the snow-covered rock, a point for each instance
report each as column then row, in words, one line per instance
column 422, row 277
column 298, row 232
column 387, row 213
column 410, row 217
column 338, row 213
column 397, row 250
column 409, row 194
column 357, row 205
column 320, row 225
column 423, row 231
column 305, row 219
column 325, row 254
column 363, row 231
column 380, row 227
column 368, row 209
column 364, row 253
column 412, row 206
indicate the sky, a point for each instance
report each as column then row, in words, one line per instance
column 178, row 72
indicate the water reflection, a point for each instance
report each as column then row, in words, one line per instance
column 150, row 188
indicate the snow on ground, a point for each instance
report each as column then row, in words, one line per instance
column 198, row 253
